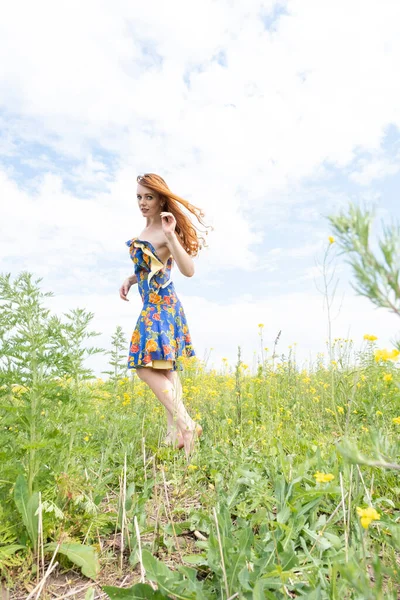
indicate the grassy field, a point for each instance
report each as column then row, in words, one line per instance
column 292, row 492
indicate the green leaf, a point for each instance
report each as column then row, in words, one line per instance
column 170, row 582
column 83, row 556
column 237, row 563
column 8, row 550
column 140, row 591
column 27, row 507
column 195, row 559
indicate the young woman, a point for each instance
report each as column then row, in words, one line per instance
column 161, row 334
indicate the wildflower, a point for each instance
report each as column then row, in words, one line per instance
column 340, row 409
column 379, row 413
column 370, row 338
column 384, row 355
column 387, row 377
column 261, row 325
column 331, row 239
column 323, row 477
column 396, row 420
column 86, row 438
column 229, row 421
column 192, row 467
column 365, row 429
column 367, row 515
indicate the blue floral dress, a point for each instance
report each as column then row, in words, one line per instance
column 161, row 332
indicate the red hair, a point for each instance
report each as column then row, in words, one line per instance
column 185, row 229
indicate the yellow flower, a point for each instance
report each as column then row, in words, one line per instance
column 86, row 438
column 229, row 421
column 379, row 413
column 385, row 355
column 370, row 338
column 331, row 239
column 340, row 409
column 367, row 515
column 396, row 420
column 364, row 429
column 192, row 467
column 261, row 325
column 387, row 377
column 323, row 477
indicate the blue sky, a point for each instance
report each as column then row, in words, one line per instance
column 270, row 116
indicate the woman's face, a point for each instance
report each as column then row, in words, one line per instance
column 149, row 202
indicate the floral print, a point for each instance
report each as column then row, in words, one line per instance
column 161, row 332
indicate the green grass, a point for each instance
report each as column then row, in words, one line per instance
column 268, row 529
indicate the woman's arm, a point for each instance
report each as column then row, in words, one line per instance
column 126, row 286
column 183, row 260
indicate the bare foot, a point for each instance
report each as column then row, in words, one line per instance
column 173, row 440
column 189, row 439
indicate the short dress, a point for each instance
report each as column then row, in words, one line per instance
column 161, row 335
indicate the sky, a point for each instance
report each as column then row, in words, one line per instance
column 268, row 115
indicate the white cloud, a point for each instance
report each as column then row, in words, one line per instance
column 93, row 93
column 377, row 167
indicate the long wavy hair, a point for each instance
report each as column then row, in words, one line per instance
column 191, row 241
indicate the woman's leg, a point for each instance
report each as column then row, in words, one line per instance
column 165, row 389
column 185, row 440
column 173, row 434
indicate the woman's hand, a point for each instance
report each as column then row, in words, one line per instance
column 168, row 223
column 126, row 286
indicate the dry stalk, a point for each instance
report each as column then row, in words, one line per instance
column 38, row 589
column 169, row 515
column 142, row 569
column 221, row 553
column 40, row 555
column 365, row 487
column 144, row 458
column 158, row 505
column 123, row 500
column 74, row 591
